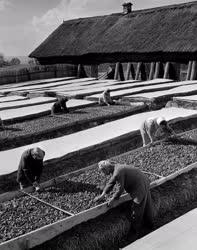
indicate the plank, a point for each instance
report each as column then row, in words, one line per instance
column 27, row 88
column 96, row 87
column 39, row 110
column 35, row 82
column 187, row 88
column 12, row 98
column 27, row 102
column 46, row 203
column 138, row 90
column 90, row 91
column 178, row 234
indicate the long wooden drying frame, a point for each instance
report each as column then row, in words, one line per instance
column 48, row 232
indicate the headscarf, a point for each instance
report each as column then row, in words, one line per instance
column 38, row 153
column 160, row 120
column 105, row 164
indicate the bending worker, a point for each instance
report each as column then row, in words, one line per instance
column 153, row 128
column 60, row 106
column 30, row 168
column 136, row 184
column 105, row 98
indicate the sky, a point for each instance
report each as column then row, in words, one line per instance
column 24, row 24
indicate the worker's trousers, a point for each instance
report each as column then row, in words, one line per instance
column 147, row 131
column 142, row 214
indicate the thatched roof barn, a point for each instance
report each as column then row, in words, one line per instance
column 165, row 34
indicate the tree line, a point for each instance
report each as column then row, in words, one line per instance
column 14, row 61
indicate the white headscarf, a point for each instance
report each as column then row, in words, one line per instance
column 38, row 152
column 105, row 164
column 160, row 120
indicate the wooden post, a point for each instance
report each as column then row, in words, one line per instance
column 193, row 71
column 137, row 75
column 81, row 71
column 94, row 71
column 152, row 69
column 116, row 71
column 173, row 72
column 166, row 70
column 157, row 70
column 78, row 70
column 189, row 70
column 143, row 72
column 128, row 70
column 121, row 72
column 132, row 71
column 111, row 72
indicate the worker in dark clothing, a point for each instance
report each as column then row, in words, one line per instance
column 137, row 185
column 30, row 168
column 60, row 106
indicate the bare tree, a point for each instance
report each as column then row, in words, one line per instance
column 15, row 61
column 33, row 62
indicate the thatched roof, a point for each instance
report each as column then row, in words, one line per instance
column 168, row 32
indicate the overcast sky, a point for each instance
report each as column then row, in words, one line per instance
column 24, row 24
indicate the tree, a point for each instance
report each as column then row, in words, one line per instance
column 15, row 61
column 33, row 62
column 2, row 60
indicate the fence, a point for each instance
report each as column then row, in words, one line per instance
column 37, row 72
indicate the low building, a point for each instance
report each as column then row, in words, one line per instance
column 157, row 42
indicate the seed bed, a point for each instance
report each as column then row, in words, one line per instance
column 76, row 194
column 30, row 131
column 23, row 215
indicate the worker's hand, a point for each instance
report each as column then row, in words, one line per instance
column 36, row 186
column 110, row 203
column 99, row 198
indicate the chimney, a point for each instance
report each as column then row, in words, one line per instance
column 127, row 8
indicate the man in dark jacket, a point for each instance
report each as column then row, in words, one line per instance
column 30, row 168
column 60, row 106
column 136, row 184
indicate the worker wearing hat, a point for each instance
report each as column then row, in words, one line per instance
column 60, row 106
column 150, row 128
column 136, row 184
column 105, row 98
column 30, row 168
